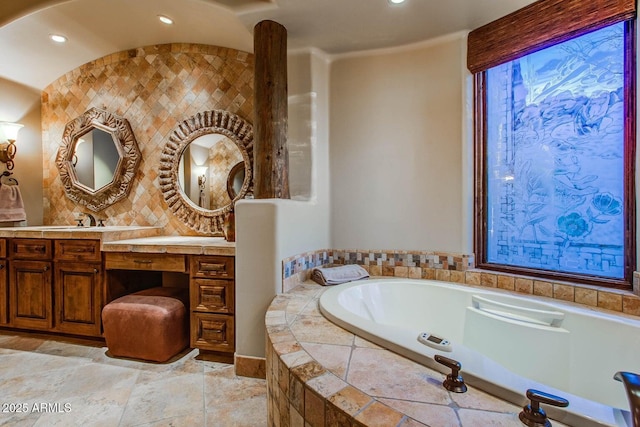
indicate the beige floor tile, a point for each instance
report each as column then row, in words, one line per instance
column 105, row 391
column 109, row 384
column 182, row 421
column 165, row 398
column 82, row 412
column 251, row 413
column 222, row 386
column 19, row 342
column 57, row 348
column 19, row 419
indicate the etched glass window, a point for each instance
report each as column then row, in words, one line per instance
column 555, row 157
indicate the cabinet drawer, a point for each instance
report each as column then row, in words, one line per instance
column 217, row 267
column 77, row 250
column 212, row 332
column 140, row 261
column 39, row 249
column 214, row 296
column 3, row 248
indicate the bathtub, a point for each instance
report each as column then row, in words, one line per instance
column 505, row 343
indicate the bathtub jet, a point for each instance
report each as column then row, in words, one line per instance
column 507, row 343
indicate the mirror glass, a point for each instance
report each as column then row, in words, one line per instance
column 204, row 169
column 95, row 158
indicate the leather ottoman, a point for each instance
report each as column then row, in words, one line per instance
column 151, row 325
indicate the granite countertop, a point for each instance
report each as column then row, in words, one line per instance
column 190, row 245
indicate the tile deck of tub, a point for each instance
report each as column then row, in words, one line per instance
column 319, row 374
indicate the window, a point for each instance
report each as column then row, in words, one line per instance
column 555, row 178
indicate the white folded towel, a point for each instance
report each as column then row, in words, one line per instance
column 11, row 204
column 336, row 275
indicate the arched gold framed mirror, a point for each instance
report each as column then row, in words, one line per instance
column 97, row 159
column 183, row 191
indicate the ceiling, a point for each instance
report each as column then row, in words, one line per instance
column 96, row 28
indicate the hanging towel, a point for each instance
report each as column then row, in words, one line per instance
column 336, row 275
column 11, row 204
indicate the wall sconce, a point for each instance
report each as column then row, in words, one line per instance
column 8, row 149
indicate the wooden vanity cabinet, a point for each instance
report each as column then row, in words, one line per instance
column 55, row 285
column 212, row 293
column 30, row 284
column 4, row 283
column 78, row 283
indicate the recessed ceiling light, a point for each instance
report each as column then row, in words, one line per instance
column 396, row 1
column 165, row 19
column 58, row 38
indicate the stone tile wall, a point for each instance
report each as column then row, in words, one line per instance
column 458, row 268
column 154, row 88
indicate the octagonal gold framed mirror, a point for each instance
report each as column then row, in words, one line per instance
column 97, row 159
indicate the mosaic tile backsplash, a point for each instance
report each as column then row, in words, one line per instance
column 457, row 268
column 297, row 269
column 154, row 88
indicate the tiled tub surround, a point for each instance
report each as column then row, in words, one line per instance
column 458, row 268
column 318, row 374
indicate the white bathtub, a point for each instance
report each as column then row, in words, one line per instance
column 505, row 343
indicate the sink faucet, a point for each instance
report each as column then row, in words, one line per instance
column 631, row 383
column 92, row 219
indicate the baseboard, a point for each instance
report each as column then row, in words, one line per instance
column 249, row 366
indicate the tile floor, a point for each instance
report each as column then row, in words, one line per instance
column 69, row 383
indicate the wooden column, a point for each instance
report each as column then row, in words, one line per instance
column 271, row 160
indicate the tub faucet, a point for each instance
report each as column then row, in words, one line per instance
column 533, row 415
column 453, row 382
column 92, row 219
column 631, row 383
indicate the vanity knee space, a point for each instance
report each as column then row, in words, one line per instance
column 211, row 283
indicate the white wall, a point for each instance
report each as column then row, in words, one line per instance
column 269, row 230
column 396, row 149
column 21, row 104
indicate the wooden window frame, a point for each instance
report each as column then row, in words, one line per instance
column 480, row 185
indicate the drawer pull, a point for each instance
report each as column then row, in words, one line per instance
column 46, row 268
column 1, row 266
column 80, row 250
column 40, row 249
column 143, row 261
column 212, row 268
column 95, row 270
